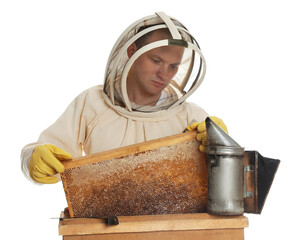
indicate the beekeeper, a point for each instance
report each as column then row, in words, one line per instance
column 153, row 67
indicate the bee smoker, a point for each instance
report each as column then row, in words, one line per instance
column 227, row 170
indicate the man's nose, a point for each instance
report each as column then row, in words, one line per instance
column 162, row 72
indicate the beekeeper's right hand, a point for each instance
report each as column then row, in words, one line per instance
column 45, row 162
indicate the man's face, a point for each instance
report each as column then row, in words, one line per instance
column 153, row 70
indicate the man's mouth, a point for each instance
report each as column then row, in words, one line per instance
column 158, row 84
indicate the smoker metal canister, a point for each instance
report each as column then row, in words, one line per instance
column 225, row 180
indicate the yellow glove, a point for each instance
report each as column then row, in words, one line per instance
column 45, row 162
column 201, row 128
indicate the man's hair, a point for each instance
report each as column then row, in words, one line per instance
column 143, row 40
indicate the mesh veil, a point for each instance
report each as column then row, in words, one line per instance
column 189, row 76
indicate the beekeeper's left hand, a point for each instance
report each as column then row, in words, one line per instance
column 201, row 129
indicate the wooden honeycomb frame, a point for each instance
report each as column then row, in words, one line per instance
column 163, row 176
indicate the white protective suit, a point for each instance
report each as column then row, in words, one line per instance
column 101, row 118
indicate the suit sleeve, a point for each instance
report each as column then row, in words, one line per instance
column 68, row 132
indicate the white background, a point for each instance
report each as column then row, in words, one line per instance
column 50, row 51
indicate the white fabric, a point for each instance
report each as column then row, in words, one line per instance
column 92, row 124
column 172, row 28
column 162, row 98
column 26, row 156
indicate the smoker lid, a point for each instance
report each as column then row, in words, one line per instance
column 225, row 150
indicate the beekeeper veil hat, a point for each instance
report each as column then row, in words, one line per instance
column 189, row 76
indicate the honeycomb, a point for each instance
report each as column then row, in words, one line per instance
column 166, row 180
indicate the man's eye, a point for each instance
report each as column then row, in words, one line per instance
column 174, row 67
column 155, row 61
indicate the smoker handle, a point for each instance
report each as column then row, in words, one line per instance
column 249, row 168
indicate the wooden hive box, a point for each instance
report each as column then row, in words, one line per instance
column 155, row 227
column 163, row 176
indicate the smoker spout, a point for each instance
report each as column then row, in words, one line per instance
column 217, row 136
